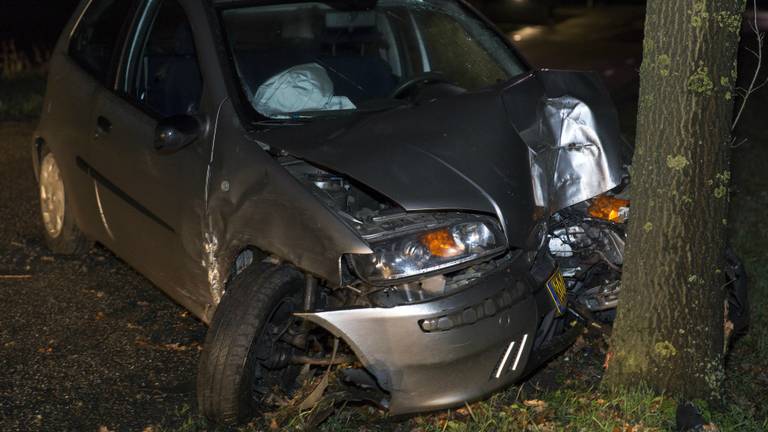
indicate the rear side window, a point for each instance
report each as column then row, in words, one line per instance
column 96, row 38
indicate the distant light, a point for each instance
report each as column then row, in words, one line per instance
column 527, row 33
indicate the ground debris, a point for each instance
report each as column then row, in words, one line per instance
column 143, row 342
column 16, row 277
column 537, row 405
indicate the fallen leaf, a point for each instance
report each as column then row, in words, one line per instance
column 175, row 347
column 536, row 404
column 141, row 342
column 608, row 358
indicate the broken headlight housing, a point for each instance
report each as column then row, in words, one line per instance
column 431, row 249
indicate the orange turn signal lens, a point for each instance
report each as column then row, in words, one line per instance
column 442, row 244
column 609, row 208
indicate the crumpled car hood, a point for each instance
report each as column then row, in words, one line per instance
column 520, row 150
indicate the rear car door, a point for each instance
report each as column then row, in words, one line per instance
column 150, row 202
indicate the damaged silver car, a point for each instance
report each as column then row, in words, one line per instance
column 359, row 184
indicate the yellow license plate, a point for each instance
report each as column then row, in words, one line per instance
column 556, row 288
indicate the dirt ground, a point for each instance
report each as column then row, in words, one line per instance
column 84, row 343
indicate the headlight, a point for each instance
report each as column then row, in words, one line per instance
column 430, row 250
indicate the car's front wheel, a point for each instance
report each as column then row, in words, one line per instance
column 245, row 366
column 59, row 228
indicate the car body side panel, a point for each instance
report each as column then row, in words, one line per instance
column 146, row 199
column 254, row 201
column 65, row 127
column 152, row 203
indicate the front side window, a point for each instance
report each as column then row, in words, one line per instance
column 96, row 38
column 164, row 71
column 326, row 56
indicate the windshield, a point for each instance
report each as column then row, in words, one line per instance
column 312, row 57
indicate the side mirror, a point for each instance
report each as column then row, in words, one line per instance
column 174, row 133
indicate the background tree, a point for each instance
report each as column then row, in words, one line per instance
column 669, row 328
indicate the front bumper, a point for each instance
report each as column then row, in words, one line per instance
column 480, row 341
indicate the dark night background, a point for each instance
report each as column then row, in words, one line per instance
column 38, row 23
column 88, row 344
column 34, row 23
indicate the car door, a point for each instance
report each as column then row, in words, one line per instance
column 150, row 202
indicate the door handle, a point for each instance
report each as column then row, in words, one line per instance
column 103, row 126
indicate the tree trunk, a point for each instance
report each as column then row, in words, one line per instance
column 669, row 329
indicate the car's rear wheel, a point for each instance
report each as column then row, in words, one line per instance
column 59, row 228
column 245, row 366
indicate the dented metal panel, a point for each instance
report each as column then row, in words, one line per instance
column 520, row 150
column 253, row 201
column 573, row 137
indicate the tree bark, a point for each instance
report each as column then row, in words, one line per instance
column 669, row 328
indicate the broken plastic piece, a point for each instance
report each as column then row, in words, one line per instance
column 609, row 208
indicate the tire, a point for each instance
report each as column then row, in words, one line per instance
column 61, row 233
column 230, row 368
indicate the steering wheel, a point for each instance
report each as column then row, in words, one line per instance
column 419, row 79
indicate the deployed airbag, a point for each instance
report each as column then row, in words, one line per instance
column 301, row 88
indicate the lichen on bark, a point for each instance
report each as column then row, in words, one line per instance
column 699, row 81
column 665, row 349
column 677, row 163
